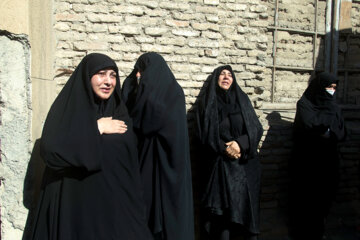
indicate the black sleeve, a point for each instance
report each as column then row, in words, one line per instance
column 243, row 142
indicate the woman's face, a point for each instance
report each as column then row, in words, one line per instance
column 138, row 76
column 225, row 79
column 103, row 83
column 331, row 88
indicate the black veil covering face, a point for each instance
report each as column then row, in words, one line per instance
column 232, row 186
column 314, row 167
column 157, row 107
column 91, row 186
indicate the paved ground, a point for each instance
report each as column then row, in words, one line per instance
column 343, row 233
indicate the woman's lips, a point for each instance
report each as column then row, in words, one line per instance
column 105, row 90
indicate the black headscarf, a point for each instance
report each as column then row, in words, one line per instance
column 72, row 118
column 153, row 95
column 317, row 110
column 157, row 108
column 316, row 92
column 92, row 186
column 224, row 178
column 217, row 103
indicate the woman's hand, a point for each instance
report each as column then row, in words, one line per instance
column 107, row 125
column 233, row 150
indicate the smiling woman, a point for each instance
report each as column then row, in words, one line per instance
column 103, row 83
column 91, row 186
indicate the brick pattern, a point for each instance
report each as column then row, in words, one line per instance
column 195, row 36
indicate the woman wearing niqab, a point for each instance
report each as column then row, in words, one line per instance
column 314, row 167
column 91, row 185
column 156, row 104
column 224, row 116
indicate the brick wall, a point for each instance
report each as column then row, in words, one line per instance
column 195, row 36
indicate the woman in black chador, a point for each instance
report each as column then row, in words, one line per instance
column 314, row 172
column 91, row 187
column 156, row 104
column 229, row 131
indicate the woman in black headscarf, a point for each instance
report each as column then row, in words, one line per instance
column 91, row 186
column 156, row 104
column 229, row 131
column 314, row 173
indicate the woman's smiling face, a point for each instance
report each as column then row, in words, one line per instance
column 225, row 79
column 103, row 83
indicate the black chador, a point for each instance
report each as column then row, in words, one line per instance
column 231, row 186
column 314, row 167
column 156, row 104
column 91, row 186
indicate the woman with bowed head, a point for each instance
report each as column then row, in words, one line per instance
column 156, row 104
column 91, row 185
column 229, row 133
column 314, row 167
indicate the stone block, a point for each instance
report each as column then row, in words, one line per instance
column 155, row 31
column 212, row 18
column 203, row 43
column 85, row 46
column 211, row 35
column 61, row 26
column 144, row 39
column 149, row 4
column 236, row 7
column 96, row 28
column 174, row 5
column 130, row 30
column 212, row 2
column 179, row 41
column 102, row 18
column 203, row 60
column 67, row 17
column 126, row 47
column 135, row 10
column 176, row 23
column 205, row 26
column 156, row 48
column 185, row 33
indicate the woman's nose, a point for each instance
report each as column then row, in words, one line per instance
column 108, row 79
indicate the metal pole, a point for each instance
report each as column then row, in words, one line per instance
column 315, row 36
column 328, row 35
column 274, row 49
column 335, row 39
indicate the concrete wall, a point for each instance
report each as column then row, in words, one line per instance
column 15, row 125
column 14, row 16
column 26, row 93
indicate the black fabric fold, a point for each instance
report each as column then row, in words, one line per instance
column 157, row 107
column 314, row 166
column 232, row 186
column 91, row 187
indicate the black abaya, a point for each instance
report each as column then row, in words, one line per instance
column 314, row 167
column 232, row 186
column 92, row 186
column 157, row 107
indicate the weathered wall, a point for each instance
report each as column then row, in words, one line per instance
column 15, row 115
column 15, row 98
column 195, row 36
column 14, row 16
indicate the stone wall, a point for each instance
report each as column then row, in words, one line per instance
column 195, row 36
column 15, row 125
